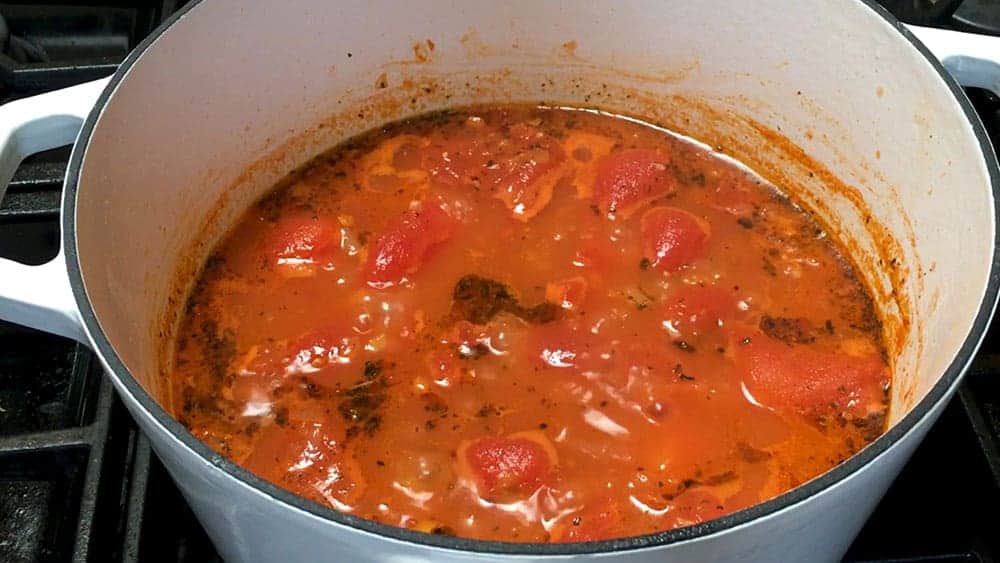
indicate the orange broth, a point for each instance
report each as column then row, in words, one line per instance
column 530, row 324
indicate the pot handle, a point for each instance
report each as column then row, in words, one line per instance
column 41, row 297
column 973, row 59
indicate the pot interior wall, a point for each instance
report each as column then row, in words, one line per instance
column 237, row 94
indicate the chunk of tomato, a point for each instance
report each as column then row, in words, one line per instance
column 519, row 165
column 517, row 464
column 323, row 355
column 672, row 238
column 527, row 171
column 406, row 244
column 811, row 381
column 298, row 241
column 628, row 179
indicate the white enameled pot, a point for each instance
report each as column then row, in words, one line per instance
column 834, row 100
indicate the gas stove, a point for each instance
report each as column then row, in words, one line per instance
column 79, row 482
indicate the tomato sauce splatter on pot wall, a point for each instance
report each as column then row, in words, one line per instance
column 530, row 324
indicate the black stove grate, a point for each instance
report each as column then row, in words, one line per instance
column 79, row 482
column 49, row 45
column 61, row 449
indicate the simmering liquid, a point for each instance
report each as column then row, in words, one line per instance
column 530, row 324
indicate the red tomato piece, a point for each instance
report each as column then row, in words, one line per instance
column 696, row 310
column 628, row 179
column 525, row 179
column 298, row 241
column 809, row 381
column 513, row 464
column 598, row 521
column 672, row 237
column 306, row 457
column 324, row 356
column 406, row 243
column 568, row 294
column 520, row 165
column 448, row 363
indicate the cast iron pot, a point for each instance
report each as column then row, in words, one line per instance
column 834, row 100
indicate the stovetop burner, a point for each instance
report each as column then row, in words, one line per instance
column 79, row 482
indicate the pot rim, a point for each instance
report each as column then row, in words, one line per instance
column 832, row 477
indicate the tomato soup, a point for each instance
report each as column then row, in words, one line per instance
column 530, row 324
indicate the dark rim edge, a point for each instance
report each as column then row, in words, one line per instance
column 799, row 494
